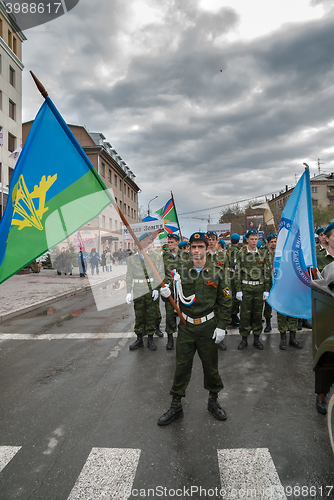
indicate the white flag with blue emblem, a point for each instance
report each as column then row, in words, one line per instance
column 295, row 253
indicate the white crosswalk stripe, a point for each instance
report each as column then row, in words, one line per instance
column 107, row 474
column 6, row 454
column 249, row 473
column 62, row 336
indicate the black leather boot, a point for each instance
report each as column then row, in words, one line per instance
column 268, row 326
column 283, row 342
column 257, row 342
column 294, row 342
column 170, row 342
column 235, row 320
column 150, row 344
column 215, row 407
column 137, row 343
column 300, row 324
column 222, row 346
column 321, row 406
column 243, row 344
column 158, row 332
column 174, row 412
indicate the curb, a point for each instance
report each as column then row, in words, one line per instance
column 37, row 305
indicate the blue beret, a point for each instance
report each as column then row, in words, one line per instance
column 271, row 237
column 174, row 235
column 145, row 235
column 321, row 230
column 222, row 243
column 235, row 237
column 183, row 244
column 198, row 237
column 212, row 233
column 259, row 244
column 328, row 228
column 244, row 238
column 251, row 231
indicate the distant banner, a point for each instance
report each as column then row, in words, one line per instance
column 223, row 230
column 152, row 227
column 254, row 222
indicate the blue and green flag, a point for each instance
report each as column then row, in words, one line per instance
column 54, row 190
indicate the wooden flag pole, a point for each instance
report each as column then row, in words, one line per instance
column 176, row 216
column 149, row 262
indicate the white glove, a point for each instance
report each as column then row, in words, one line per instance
column 155, row 294
column 165, row 292
column 128, row 298
column 219, row 335
column 265, row 295
column 239, row 296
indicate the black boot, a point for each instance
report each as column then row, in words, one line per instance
column 294, row 342
column 257, row 342
column 306, row 324
column 268, row 326
column 283, row 342
column 175, row 411
column 158, row 332
column 215, row 407
column 222, row 346
column 170, row 342
column 235, row 320
column 321, row 406
column 300, row 324
column 137, row 343
column 150, row 344
column 243, row 344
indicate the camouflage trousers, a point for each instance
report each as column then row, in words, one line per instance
column 251, row 310
column 267, row 311
column 158, row 316
column 170, row 317
column 235, row 303
column 145, row 314
column 286, row 323
column 192, row 338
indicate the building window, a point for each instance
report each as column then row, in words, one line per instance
column 120, row 184
column 0, row 64
column 331, row 201
column 10, row 173
column 12, row 76
column 128, row 211
column 109, row 176
column 314, row 189
column 11, row 142
column 132, row 212
column 134, row 196
column 103, row 221
column 14, row 45
column 128, row 192
column 110, row 224
column 12, row 110
column 103, row 170
column 115, row 225
column 115, row 180
column 124, row 207
column 1, row 99
column 314, row 202
column 1, row 28
column 131, row 194
column 9, row 38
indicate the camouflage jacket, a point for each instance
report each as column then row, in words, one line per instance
column 211, row 289
column 220, row 258
column 252, row 267
column 323, row 259
column 140, row 276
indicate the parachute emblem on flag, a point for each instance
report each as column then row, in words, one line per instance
column 24, row 205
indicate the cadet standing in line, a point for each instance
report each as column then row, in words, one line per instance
column 271, row 240
column 170, row 258
column 232, row 257
column 252, row 286
column 322, row 240
column 205, row 304
column 326, row 256
column 140, row 279
column 219, row 257
column 286, row 323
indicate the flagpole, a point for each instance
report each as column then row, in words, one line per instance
column 176, row 215
column 274, row 219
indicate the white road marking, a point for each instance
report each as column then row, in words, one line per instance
column 6, row 454
column 249, row 473
column 70, row 336
column 107, row 474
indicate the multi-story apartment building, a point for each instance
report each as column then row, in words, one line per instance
column 11, row 67
column 117, row 176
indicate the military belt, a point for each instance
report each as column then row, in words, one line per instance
column 252, row 282
column 198, row 321
column 143, row 281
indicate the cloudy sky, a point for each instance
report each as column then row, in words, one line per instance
column 216, row 100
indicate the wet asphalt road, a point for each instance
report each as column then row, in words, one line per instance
column 62, row 398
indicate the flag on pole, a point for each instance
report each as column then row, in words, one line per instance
column 15, row 154
column 54, row 190
column 295, row 253
column 268, row 215
column 168, row 213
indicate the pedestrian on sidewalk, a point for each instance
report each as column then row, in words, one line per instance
column 94, row 260
column 68, row 262
column 82, row 262
column 109, row 260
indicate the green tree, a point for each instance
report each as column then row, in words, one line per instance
column 322, row 215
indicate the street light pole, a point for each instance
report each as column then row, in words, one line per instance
column 148, row 206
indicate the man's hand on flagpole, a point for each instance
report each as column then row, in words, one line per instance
column 165, row 292
column 265, row 295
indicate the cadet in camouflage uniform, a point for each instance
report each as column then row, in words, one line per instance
column 322, row 240
column 232, row 257
column 141, row 279
column 288, row 323
column 170, row 258
column 205, row 304
column 326, row 256
column 219, row 257
column 252, row 282
column 271, row 240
